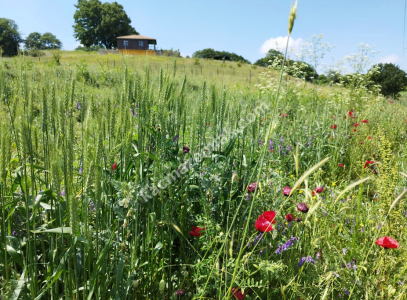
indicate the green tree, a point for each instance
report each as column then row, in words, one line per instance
column 50, row 41
column 46, row 41
column 209, row 53
column 270, row 57
column 391, row 78
column 9, row 37
column 33, row 41
column 98, row 24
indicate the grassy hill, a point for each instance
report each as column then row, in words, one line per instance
column 129, row 178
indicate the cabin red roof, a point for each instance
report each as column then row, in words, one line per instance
column 135, row 37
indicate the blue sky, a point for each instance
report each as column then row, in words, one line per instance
column 239, row 26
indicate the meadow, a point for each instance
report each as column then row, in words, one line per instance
column 162, row 178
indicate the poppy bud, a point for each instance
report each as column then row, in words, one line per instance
column 161, row 285
column 302, row 207
column 287, row 191
column 135, row 284
column 252, row 187
column 185, row 149
column 289, row 217
column 319, row 189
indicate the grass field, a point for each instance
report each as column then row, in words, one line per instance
column 155, row 178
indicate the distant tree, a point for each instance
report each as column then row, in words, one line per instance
column 46, row 41
column 9, row 37
column 270, row 57
column 210, row 53
column 50, row 41
column 98, row 24
column 33, row 41
column 391, row 78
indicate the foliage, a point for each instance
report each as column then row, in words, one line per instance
column 270, row 57
column 89, row 49
column 9, row 37
column 46, row 41
column 99, row 24
column 209, row 53
column 391, row 79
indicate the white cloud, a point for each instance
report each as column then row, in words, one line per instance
column 279, row 44
column 391, row 59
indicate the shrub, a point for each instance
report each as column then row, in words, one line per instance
column 391, row 78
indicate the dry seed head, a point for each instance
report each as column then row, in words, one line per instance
column 291, row 19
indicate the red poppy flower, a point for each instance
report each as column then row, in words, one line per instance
column 354, row 130
column 344, row 117
column 302, row 207
column 356, row 124
column 237, row 293
column 387, row 242
column 367, row 163
column 196, row 231
column 350, row 113
column 334, row 126
column 263, row 225
column 284, row 115
column 270, row 216
column 364, row 121
column 361, row 143
column 319, row 189
column 340, row 165
column 333, row 117
column 313, row 193
column 287, row 191
column 289, row 217
column 252, row 187
column 185, row 149
column 114, row 166
column 369, row 137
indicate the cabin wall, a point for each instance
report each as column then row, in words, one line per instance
column 133, row 44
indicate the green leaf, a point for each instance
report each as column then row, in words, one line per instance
column 15, row 256
column 19, row 287
column 64, row 230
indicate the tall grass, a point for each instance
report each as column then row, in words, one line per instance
column 81, row 144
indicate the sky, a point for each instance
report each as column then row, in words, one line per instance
column 248, row 28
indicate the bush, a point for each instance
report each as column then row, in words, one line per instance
column 35, row 53
column 209, row 53
column 391, row 78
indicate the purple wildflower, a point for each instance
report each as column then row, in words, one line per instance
column 310, row 260
column 133, row 112
column 63, row 193
column 15, row 233
column 78, row 106
column 301, row 262
column 346, row 291
column 271, row 145
column 176, row 138
column 344, row 251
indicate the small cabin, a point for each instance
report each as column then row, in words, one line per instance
column 136, row 45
